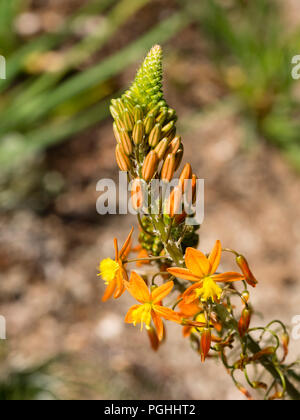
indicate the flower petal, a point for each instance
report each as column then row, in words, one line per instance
column 159, row 326
column 182, row 273
column 190, row 295
column 197, row 263
column 159, row 293
column 228, row 277
column 167, row 313
column 109, row 290
column 127, row 246
column 129, row 318
column 138, row 288
column 215, row 256
column 120, row 285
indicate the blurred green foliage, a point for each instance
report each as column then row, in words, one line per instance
column 253, row 50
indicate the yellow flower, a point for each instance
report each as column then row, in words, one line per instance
column 201, row 269
column 150, row 307
column 113, row 272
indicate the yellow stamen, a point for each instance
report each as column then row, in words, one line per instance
column 209, row 290
column 108, row 269
column 143, row 315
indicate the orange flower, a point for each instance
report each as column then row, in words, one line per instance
column 150, row 307
column 201, row 269
column 113, row 272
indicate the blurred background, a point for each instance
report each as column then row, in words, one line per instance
column 227, row 71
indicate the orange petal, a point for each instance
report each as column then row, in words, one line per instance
column 116, row 249
column 158, row 325
column 138, row 288
column 159, row 293
column 197, row 263
column 189, row 295
column 228, row 277
column 129, row 319
column 215, row 256
column 167, row 313
column 109, row 291
column 182, row 273
column 186, row 331
column 120, row 285
column 127, row 245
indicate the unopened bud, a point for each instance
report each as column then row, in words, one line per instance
column 149, row 123
column 150, row 166
column 128, row 120
column 174, row 145
column 155, row 135
column 126, row 142
column 161, row 148
column 168, row 168
column 245, row 296
column 154, row 341
column 114, row 112
column 122, row 160
column 120, row 125
column 172, row 114
column 120, row 106
column 161, row 118
column 174, row 205
column 138, row 113
column 117, row 133
column 205, row 343
column 179, row 156
column 185, row 175
column 285, row 339
column 244, row 322
column 244, row 266
column 167, row 129
column 137, row 194
column 154, row 111
column 138, row 132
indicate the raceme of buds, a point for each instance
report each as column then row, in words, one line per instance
column 168, row 168
column 205, row 343
column 150, row 166
column 244, row 266
column 122, row 159
column 244, row 322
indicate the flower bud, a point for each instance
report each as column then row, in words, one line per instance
column 244, row 266
column 138, row 113
column 126, row 142
column 150, row 166
column 167, row 129
column 122, row 160
column 179, row 156
column 149, row 123
column 285, row 339
column 185, row 175
column 205, row 343
column 138, row 132
column 114, row 112
column 161, row 118
column 154, row 111
column 161, row 148
column 128, row 120
column 130, row 106
column 168, row 168
column 174, row 205
column 117, row 133
column 172, row 114
column 120, row 125
column 120, row 106
column 174, row 145
column 244, row 322
column 137, row 194
column 152, row 335
column 245, row 296
column 155, row 135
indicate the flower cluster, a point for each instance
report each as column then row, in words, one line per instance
column 200, row 296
